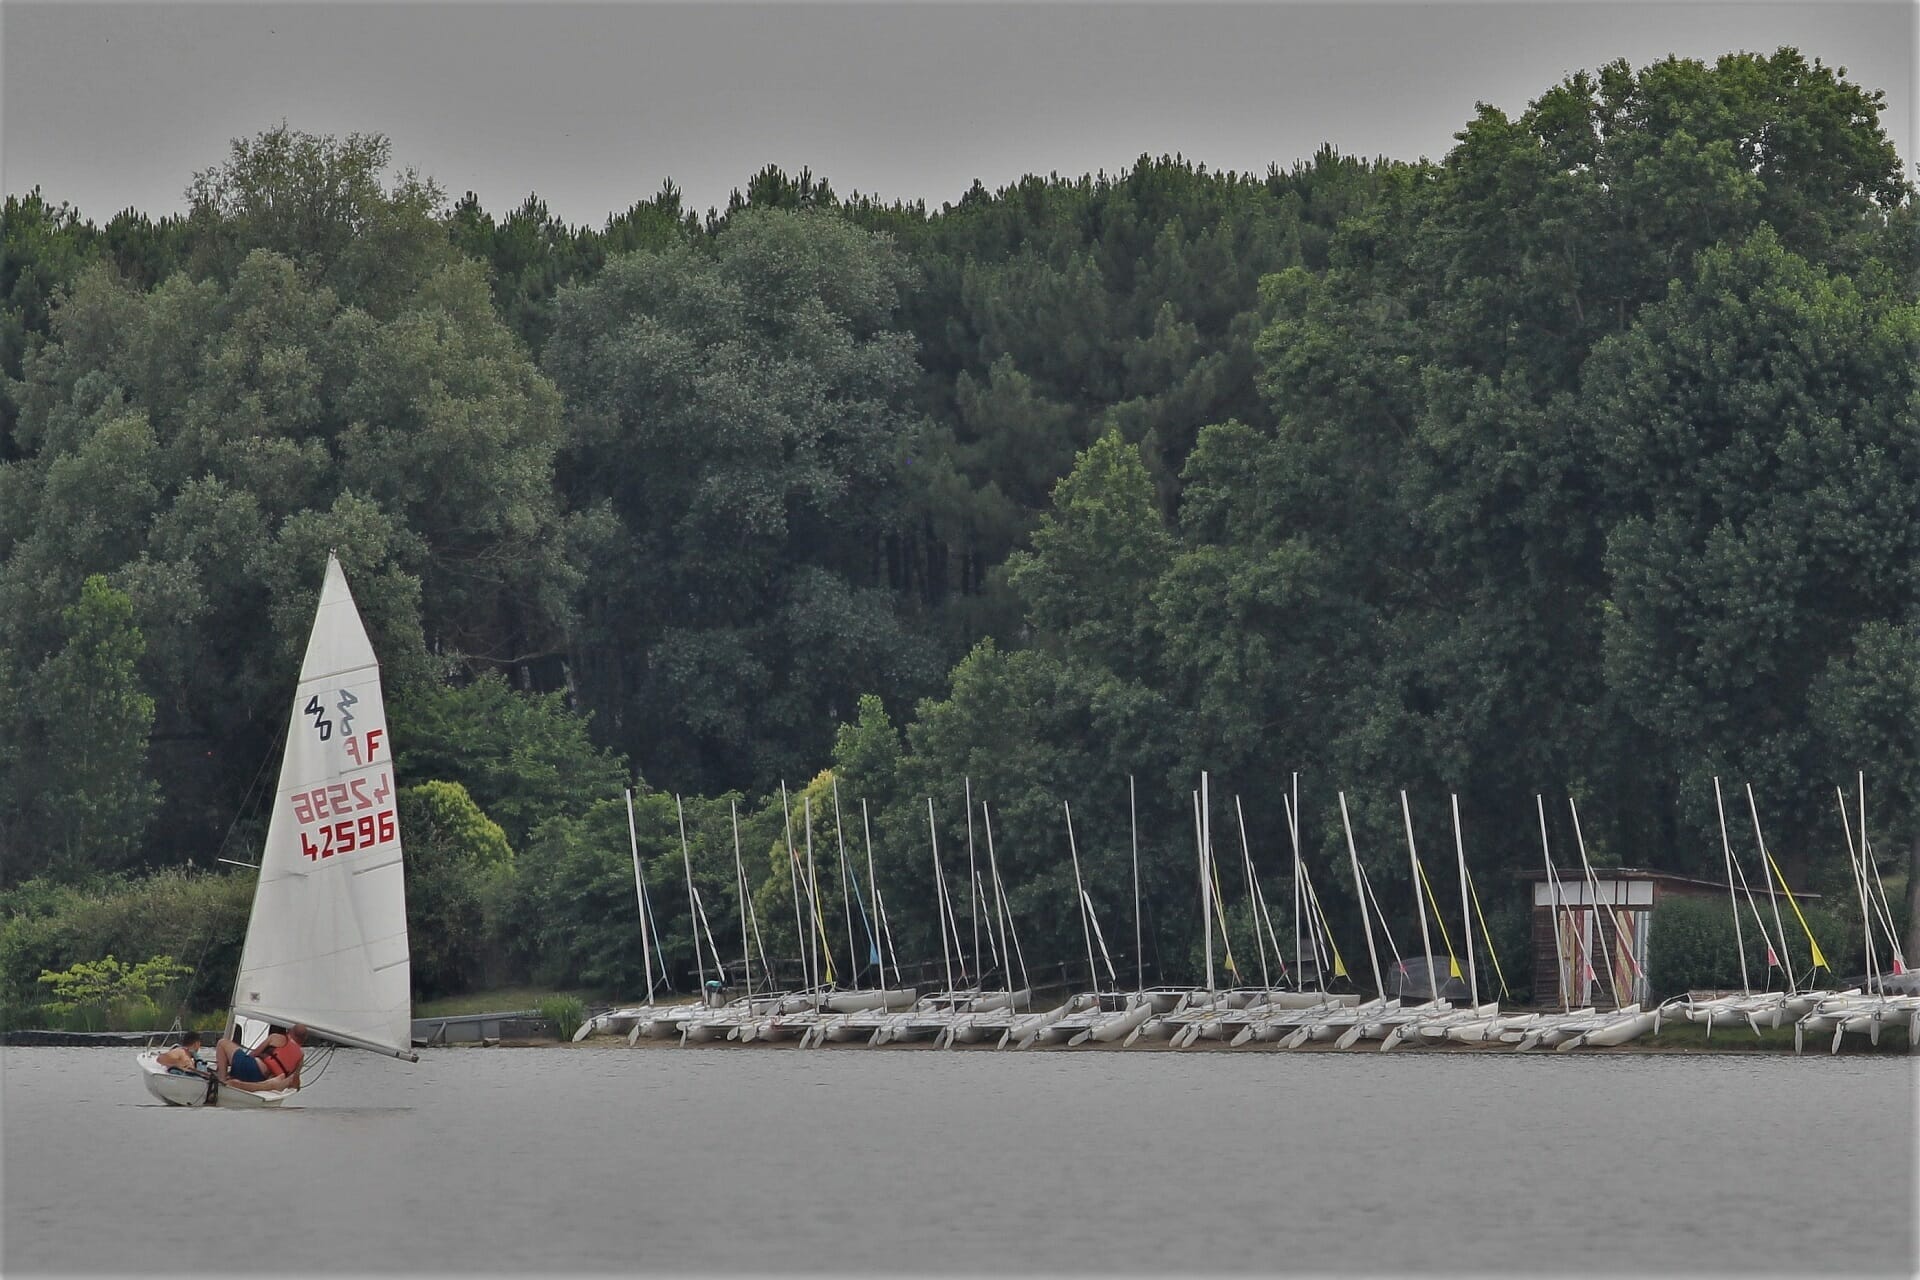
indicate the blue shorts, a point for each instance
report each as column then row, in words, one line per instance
column 244, row 1067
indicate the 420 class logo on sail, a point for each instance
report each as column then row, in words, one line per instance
column 345, row 816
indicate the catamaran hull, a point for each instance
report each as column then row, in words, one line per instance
column 1120, row 1025
column 861, row 1001
column 1025, row 1029
column 1630, row 1024
column 617, row 1023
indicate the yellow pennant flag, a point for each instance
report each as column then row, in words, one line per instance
column 1339, row 965
column 1819, row 961
column 1453, row 961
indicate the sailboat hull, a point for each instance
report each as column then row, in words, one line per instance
column 178, row 1089
column 326, row 940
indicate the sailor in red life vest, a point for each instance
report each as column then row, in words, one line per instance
column 274, row 1065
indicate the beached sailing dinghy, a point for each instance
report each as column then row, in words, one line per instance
column 327, row 941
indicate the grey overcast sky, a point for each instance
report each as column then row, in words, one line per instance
column 592, row 106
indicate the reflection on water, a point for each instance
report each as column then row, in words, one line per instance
column 730, row 1160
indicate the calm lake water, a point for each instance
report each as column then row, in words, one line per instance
column 837, row 1161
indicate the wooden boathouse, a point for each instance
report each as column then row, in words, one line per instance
column 1577, row 943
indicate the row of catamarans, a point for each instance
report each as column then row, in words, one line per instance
column 1165, row 1016
column 1279, row 1014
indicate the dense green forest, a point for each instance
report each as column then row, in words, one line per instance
column 1584, row 461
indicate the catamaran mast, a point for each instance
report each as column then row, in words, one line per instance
column 1597, row 923
column 1561, row 966
column 1253, row 900
column 1466, row 915
column 1293, row 832
column 1726, row 846
column 793, row 875
column 1079, row 889
column 693, row 907
column 1600, row 932
column 747, row 922
column 1000, row 904
column 819, row 931
column 1006, row 912
column 1360, row 891
column 880, row 915
column 1880, row 894
column 1139, row 950
column 1860, row 888
column 1204, row 832
column 1753, row 908
column 846, row 897
column 1886, row 914
column 973, row 885
column 1426, row 939
column 1773, row 894
column 940, row 894
column 1260, row 904
column 1317, row 930
column 640, row 893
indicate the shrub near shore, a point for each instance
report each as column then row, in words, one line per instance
column 198, row 918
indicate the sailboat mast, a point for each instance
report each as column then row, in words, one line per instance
column 1426, row 939
column 1360, row 892
column 1854, row 864
column 1139, row 950
column 1759, row 925
column 793, row 875
column 1466, row 915
column 1319, row 936
column 1080, row 892
column 1293, row 834
column 1880, row 899
column 640, row 895
column 822, row 960
column 1000, row 888
column 1726, row 846
column 873, row 887
column 1773, row 894
column 1253, row 895
column 973, row 884
column 1593, row 894
column 1260, row 904
column 1560, row 964
column 693, row 907
column 700, row 905
column 940, row 893
column 1206, row 873
column 1000, row 903
column 747, row 925
column 846, row 897
column 1206, row 903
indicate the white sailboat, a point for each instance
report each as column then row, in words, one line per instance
column 326, row 943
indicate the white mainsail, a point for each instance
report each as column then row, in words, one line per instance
column 327, row 942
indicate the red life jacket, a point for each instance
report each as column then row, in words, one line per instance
column 283, row 1058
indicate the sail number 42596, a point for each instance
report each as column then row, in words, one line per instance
column 348, row 814
column 337, row 799
column 349, row 834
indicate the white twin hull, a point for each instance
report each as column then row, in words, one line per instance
column 1434, row 1027
column 1859, row 1014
